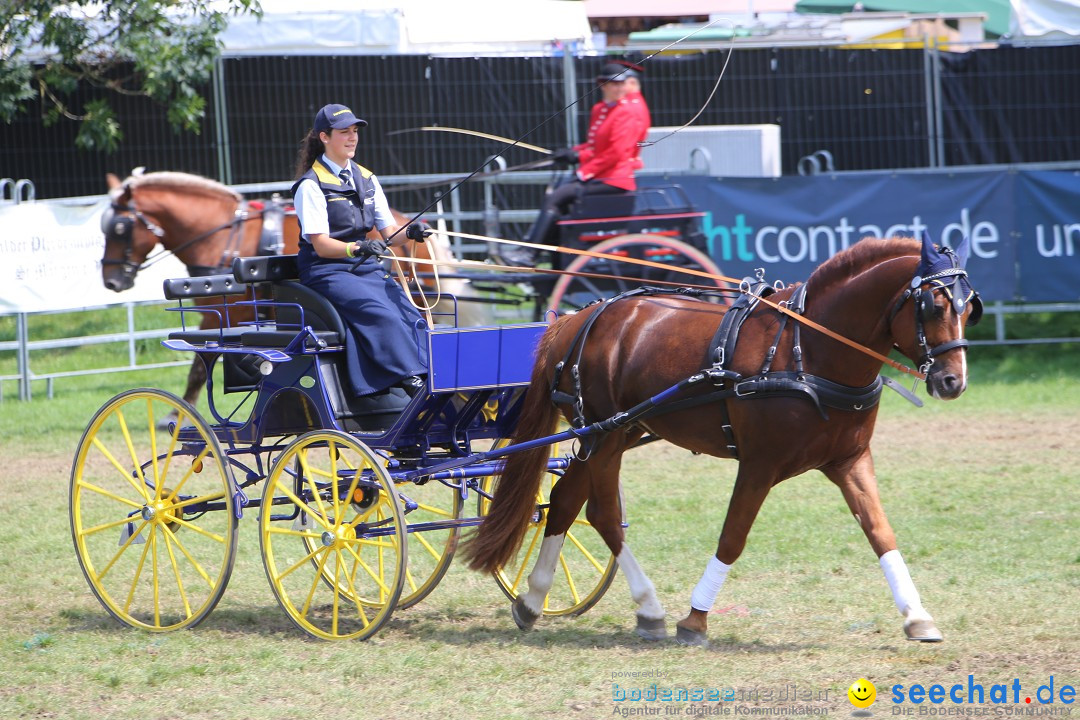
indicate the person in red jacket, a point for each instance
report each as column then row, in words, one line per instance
column 633, row 94
column 607, row 160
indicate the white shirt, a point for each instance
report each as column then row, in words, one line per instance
column 310, row 204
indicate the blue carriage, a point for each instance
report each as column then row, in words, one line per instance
column 359, row 501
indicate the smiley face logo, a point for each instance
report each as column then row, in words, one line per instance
column 862, row 693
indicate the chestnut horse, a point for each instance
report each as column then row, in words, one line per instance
column 206, row 225
column 881, row 294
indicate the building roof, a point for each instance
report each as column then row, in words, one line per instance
column 997, row 11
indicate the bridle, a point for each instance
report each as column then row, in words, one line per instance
column 957, row 289
column 120, row 228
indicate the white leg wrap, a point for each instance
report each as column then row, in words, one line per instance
column 543, row 572
column 641, row 588
column 903, row 589
column 709, row 585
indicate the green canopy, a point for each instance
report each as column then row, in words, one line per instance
column 997, row 11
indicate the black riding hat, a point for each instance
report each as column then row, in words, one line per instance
column 618, row 71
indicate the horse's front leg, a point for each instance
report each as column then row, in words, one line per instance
column 858, row 483
column 749, row 493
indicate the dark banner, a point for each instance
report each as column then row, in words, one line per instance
column 1024, row 226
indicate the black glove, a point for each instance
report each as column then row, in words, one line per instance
column 417, row 232
column 565, row 157
column 368, row 247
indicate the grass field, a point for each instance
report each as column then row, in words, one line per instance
column 982, row 492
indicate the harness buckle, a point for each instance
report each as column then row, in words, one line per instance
column 740, row 393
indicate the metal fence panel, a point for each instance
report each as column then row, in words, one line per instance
column 1011, row 105
column 871, row 109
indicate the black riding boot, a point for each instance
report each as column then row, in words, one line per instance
column 542, row 232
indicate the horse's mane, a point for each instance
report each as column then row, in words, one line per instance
column 183, row 181
column 864, row 254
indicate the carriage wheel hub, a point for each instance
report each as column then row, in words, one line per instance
column 162, row 512
column 340, row 537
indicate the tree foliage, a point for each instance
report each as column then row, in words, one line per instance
column 161, row 49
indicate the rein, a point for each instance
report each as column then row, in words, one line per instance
column 779, row 307
column 548, row 271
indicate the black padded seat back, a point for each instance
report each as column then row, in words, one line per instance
column 662, row 199
column 265, row 269
column 204, row 286
column 603, row 206
column 318, row 312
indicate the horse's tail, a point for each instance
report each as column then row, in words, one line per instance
column 502, row 531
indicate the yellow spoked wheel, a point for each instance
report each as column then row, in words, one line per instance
column 332, row 530
column 586, row 566
column 431, row 547
column 152, row 514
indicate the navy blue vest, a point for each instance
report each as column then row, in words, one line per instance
column 350, row 212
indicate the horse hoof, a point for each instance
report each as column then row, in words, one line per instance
column 523, row 616
column 922, row 631
column 692, row 638
column 651, row 629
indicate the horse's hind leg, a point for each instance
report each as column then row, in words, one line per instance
column 749, row 493
column 598, row 480
column 859, row 485
column 567, row 497
column 605, row 515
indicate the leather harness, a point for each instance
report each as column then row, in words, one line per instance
column 725, row 383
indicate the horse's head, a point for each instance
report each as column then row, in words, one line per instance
column 129, row 236
column 942, row 303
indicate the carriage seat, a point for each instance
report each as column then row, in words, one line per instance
column 296, row 305
column 588, row 207
column 656, row 200
column 191, row 288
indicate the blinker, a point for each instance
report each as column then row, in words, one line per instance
column 976, row 310
column 107, row 218
column 926, row 303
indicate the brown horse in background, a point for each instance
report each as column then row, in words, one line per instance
column 879, row 293
column 203, row 223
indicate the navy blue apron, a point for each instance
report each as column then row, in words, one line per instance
column 386, row 340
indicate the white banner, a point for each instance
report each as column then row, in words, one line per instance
column 50, row 259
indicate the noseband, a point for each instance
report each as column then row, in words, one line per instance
column 922, row 291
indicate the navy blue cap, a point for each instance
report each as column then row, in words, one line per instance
column 336, row 117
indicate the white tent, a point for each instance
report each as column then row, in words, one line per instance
column 1044, row 19
column 325, row 27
